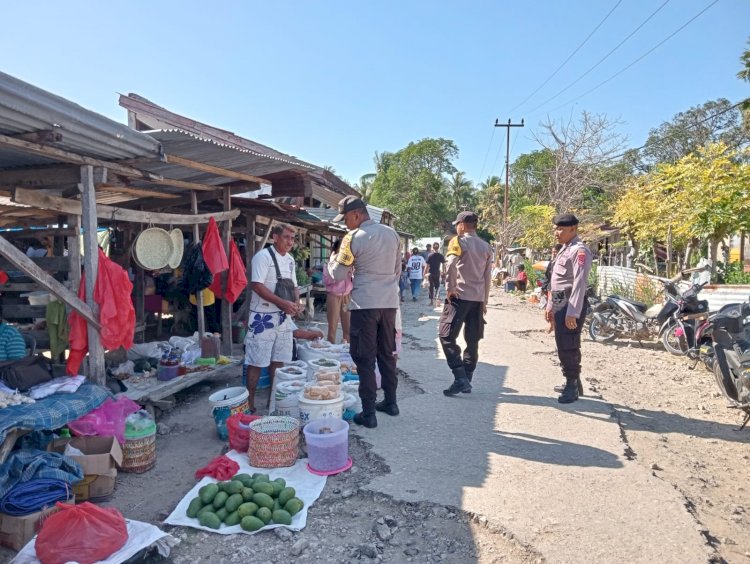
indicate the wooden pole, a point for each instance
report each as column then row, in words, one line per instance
column 199, row 295
column 140, row 294
column 97, row 371
column 226, row 307
column 74, row 252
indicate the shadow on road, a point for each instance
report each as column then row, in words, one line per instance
column 553, row 451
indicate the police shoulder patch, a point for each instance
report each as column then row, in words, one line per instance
column 581, row 255
column 454, row 248
column 345, row 255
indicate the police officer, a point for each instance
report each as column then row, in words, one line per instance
column 468, row 277
column 371, row 250
column 566, row 304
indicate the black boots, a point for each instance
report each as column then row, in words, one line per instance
column 570, row 392
column 559, row 389
column 460, row 383
column 469, row 376
column 389, row 407
column 366, row 420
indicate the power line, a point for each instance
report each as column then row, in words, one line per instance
column 487, row 154
column 618, row 73
column 600, row 61
column 550, row 77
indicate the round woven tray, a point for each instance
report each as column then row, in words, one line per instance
column 153, row 248
column 178, row 248
column 273, row 442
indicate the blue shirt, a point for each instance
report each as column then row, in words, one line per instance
column 12, row 345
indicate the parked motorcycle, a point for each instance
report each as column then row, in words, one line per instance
column 618, row 316
column 729, row 355
column 686, row 328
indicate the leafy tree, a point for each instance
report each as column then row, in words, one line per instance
column 411, row 184
column 365, row 185
column 536, row 222
column 744, row 74
column 530, row 178
column 461, row 192
column 711, row 122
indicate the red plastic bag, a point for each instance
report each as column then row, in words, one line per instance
column 79, row 338
column 214, row 254
column 84, row 533
column 239, row 438
column 116, row 312
column 222, row 468
column 107, row 420
column 236, row 279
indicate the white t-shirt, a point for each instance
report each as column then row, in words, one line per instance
column 264, row 272
column 415, row 266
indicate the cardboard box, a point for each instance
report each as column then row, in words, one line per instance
column 101, row 456
column 16, row 532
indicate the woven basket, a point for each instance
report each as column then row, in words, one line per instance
column 139, row 455
column 273, row 442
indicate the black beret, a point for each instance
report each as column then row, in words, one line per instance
column 565, row 220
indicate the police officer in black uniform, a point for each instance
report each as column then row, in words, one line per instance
column 566, row 303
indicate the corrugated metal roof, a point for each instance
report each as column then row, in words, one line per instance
column 24, row 108
column 327, row 214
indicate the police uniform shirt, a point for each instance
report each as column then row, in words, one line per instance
column 469, row 268
column 372, row 252
column 569, row 275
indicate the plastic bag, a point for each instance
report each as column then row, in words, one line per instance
column 139, row 421
column 107, row 420
column 239, row 433
column 222, row 468
column 84, row 533
column 196, row 276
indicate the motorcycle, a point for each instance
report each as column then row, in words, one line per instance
column 687, row 328
column 618, row 316
column 729, row 355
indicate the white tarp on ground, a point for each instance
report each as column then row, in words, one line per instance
column 308, row 486
column 140, row 536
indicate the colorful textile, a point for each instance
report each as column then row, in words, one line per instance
column 30, row 464
column 57, row 327
column 31, row 496
column 53, row 411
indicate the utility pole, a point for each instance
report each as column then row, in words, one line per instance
column 507, row 127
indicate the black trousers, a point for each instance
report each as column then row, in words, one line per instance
column 372, row 336
column 568, row 342
column 434, row 282
column 461, row 314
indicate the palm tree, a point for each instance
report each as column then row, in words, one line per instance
column 366, row 182
column 461, row 191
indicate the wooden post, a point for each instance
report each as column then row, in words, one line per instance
column 97, row 371
column 140, row 293
column 226, row 307
column 74, row 253
column 199, row 295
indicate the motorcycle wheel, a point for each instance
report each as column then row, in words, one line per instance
column 675, row 345
column 725, row 382
column 599, row 331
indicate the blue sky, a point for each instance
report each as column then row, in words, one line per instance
column 332, row 82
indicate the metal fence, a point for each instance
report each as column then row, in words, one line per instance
column 614, row 279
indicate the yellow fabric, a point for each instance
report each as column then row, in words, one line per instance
column 345, row 255
column 454, row 248
column 208, row 298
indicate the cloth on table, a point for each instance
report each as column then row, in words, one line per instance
column 221, row 468
column 53, row 411
column 31, row 496
column 30, row 464
column 57, row 327
column 61, row 385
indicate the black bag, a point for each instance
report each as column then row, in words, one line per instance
column 196, row 276
column 284, row 286
column 24, row 373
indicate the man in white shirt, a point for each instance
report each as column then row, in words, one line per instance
column 416, row 267
column 269, row 329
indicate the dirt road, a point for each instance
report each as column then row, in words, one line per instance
column 647, row 467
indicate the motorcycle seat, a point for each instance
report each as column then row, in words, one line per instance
column 639, row 305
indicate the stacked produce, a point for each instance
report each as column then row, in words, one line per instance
column 249, row 501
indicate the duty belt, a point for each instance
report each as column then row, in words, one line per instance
column 560, row 294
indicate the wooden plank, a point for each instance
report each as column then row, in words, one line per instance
column 26, row 265
column 74, row 158
column 59, row 175
column 49, row 232
column 155, row 390
column 47, row 202
column 74, row 253
column 142, row 192
column 203, row 167
column 40, row 136
column 53, row 264
column 226, row 307
column 200, row 314
column 22, row 311
column 97, row 371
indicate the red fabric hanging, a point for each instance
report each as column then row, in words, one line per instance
column 236, row 278
column 116, row 312
column 79, row 339
column 213, row 249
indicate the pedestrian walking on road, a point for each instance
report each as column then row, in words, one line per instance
column 566, row 304
column 468, row 278
column 371, row 251
column 435, row 273
column 416, row 267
